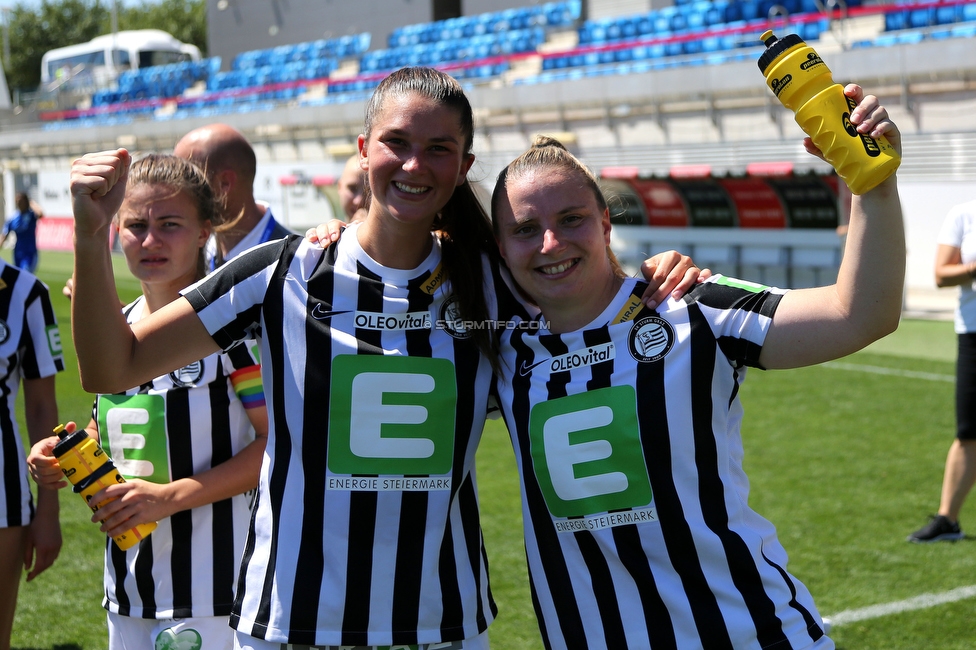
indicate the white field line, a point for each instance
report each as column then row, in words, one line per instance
column 918, row 602
column 879, row 370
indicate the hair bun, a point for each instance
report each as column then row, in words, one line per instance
column 542, row 141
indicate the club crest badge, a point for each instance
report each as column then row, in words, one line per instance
column 451, row 320
column 651, row 338
column 4, row 331
column 187, row 376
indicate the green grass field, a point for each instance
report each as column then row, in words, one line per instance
column 845, row 459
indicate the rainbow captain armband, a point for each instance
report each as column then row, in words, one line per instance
column 248, row 386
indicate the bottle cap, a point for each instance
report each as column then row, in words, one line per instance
column 775, row 47
column 69, row 440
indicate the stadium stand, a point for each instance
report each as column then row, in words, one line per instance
column 512, row 47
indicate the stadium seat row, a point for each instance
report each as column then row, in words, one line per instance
column 254, row 83
column 735, row 35
column 457, row 50
column 288, row 72
column 169, row 80
column 929, row 16
column 689, row 17
column 336, row 48
column 550, row 14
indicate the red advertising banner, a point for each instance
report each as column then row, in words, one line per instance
column 55, row 234
column 663, row 203
column 756, row 203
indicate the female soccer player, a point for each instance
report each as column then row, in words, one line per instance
column 188, row 442
column 366, row 529
column 30, row 355
column 625, row 420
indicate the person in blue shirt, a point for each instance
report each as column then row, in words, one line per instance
column 24, row 225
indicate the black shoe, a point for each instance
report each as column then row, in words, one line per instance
column 939, row 529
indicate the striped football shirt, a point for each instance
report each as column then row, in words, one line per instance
column 638, row 531
column 30, row 348
column 173, row 427
column 367, row 527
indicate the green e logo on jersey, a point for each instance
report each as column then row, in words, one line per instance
column 132, row 429
column 391, row 415
column 587, row 453
column 53, row 340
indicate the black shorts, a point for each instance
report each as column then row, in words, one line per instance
column 966, row 387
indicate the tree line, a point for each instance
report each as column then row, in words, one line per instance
column 32, row 31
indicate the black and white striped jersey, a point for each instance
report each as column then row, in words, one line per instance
column 367, row 527
column 30, row 348
column 637, row 524
column 175, row 426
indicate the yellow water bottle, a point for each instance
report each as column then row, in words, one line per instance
column 88, row 467
column 802, row 82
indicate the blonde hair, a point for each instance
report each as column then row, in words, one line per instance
column 549, row 153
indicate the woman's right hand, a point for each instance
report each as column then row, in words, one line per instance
column 97, row 185
column 44, row 466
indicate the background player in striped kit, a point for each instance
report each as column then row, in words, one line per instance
column 30, row 353
column 625, row 420
column 195, row 436
column 359, row 537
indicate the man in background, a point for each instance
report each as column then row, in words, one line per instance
column 351, row 188
column 231, row 165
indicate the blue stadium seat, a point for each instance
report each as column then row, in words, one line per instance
column 715, row 15
column 749, row 10
column 885, row 40
column 597, row 33
column 896, row 20
column 921, row 17
column 791, row 6
column 967, row 30
column 628, row 28
column 662, row 22
column 947, row 15
column 657, row 50
column 695, row 19
column 679, row 22
column 910, row 37
column 733, row 12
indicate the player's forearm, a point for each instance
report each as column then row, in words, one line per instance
column 232, row 477
column 871, row 279
column 103, row 340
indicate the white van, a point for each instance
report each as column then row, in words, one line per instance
column 100, row 61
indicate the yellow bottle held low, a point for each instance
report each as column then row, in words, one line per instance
column 89, row 469
column 802, row 82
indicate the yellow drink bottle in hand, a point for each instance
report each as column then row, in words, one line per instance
column 802, row 82
column 89, row 469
